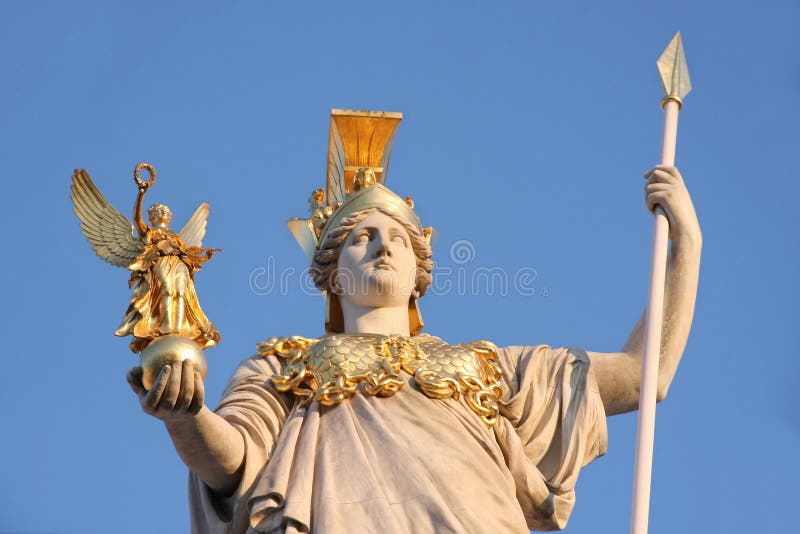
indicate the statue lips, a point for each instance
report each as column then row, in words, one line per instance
column 383, row 264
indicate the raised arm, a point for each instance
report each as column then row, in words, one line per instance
column 141, row 226
column 619, row 374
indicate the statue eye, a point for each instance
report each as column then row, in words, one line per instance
column 361, row 238
column 398, row 238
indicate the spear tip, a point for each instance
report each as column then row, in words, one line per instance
column 673, row 70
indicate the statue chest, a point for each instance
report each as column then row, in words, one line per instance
column 334, row 368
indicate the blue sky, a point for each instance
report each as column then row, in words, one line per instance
column 527, row 128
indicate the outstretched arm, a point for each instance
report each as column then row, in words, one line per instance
column 210, row 446
column 619, row 374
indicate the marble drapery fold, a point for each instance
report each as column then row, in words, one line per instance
column 409, row 463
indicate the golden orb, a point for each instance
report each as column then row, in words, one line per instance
column 167, row 349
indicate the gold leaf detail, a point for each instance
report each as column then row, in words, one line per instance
column 331, row 369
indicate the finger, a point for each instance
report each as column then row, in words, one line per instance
column 659, row 199
column 656, row 187
column 151, row 400
column 170, row 398
column 199, row 394
column 187, row 385
column 664, row 169
column 659, row 176
column 671, row 169
column 134, row 377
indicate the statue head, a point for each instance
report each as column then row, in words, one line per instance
column 159, row 215
column 373, row 258
column 366, row 244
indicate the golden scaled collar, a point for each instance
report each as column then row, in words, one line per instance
column 331, row 369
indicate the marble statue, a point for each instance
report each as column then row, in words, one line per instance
column 377, row 427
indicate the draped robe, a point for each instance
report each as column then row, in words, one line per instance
column 409, row 463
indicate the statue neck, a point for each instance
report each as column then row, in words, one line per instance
column 386, row 321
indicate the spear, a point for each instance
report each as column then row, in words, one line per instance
column 675, row 77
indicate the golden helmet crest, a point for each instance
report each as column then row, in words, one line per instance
column 359, row 147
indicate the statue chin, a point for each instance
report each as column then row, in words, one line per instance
column 167, row 349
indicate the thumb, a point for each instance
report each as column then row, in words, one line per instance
column 134, row 377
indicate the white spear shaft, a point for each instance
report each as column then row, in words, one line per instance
column 675, row 76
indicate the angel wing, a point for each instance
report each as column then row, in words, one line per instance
column 194, row 230
column 110, row 233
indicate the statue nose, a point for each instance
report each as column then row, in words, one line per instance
column 383, row 249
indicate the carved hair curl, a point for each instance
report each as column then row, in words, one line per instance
column 323, row 266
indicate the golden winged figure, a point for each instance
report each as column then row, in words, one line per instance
column 163, row 263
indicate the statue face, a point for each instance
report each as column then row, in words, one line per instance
column 159, row 215
column 377, row 265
